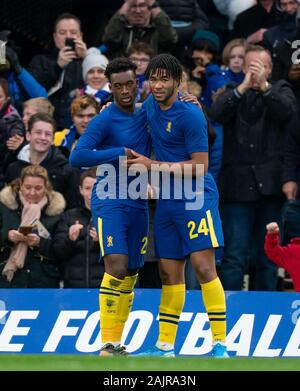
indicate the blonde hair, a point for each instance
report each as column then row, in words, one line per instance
column 36, row 171
column 41, row 104
column 229, row 46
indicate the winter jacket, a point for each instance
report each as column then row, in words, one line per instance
column 63, row 177
column 255, row 126
column 287, row 257
column 253, row 19
column 291, row 155
column 41, row 268
column 187, row 14
column 81, row 258
column 10, row 124
column 47, row 72
column 119, row 35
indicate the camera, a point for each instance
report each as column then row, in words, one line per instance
column 70, row 42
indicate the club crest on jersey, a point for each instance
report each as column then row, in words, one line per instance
column 109, row 239
column 168, row 128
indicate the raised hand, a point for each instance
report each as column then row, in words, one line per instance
column 74, row 231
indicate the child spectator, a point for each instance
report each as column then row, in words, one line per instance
column 96, row 84
column 34, row 106
column 287, row 257
column 140, row 53
column 233, row 57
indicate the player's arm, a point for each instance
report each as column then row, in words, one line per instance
column 194, row 124
column 85, row 154
column 197, row 158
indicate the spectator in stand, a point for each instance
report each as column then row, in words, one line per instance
column 286, row 28
column 60, row 72
column 186, row 17
column 76, row 241
column 83, row 109
column 12, row 130
column 233, row 57
column 232, row 8
column 255, row 116
column 139, row 20
column 286, row 59
column 140, row 53
column 291, row 161
column 205, row 48
column 21, row 84
column 287, row 257
column 40, row 151
column 29, row 213
column 96, row 84
column 34, row 106
column 255, row 21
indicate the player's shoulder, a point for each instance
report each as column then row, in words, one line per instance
column 189, row 109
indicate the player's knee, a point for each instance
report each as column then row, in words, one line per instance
column 205, row 273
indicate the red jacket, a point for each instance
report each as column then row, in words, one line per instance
column 287, row 257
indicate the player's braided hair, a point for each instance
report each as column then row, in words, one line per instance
column 165, row 62
column 119, row 64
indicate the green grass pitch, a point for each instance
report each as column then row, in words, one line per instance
column 14, row 362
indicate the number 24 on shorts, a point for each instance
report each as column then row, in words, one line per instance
column 202, row 228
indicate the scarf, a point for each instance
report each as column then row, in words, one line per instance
column 18, row 253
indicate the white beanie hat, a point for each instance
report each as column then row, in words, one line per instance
column 93, row 59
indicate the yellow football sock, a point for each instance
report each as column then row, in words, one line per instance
column 171, row 305
column 109, row 298
column 215, row 305
column 125, row 304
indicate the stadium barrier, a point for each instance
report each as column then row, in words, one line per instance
column 66, row 321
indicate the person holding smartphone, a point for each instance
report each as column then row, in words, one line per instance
column 60, row 71
column 29, row 213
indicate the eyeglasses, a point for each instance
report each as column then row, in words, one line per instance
column 139, row 60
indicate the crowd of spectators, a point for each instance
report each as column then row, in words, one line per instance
column 244, row 71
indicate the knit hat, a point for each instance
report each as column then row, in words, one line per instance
column 93, row 59
column 206, row 35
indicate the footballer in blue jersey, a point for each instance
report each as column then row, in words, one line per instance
column 121, row 222
column 179, row 135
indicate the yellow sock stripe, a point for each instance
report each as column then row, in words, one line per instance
column 212, row 233
column 100, row 236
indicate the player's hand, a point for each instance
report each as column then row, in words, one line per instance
column 93, row 234
column 290, row 189
column 186, row 97
column 74, row 231
column 105, row 106
column 15, row 236
column 139, row 159
column 272, row 228
column 33, row 240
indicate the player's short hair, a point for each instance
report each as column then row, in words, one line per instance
column 165, row 62
column 119, row 64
